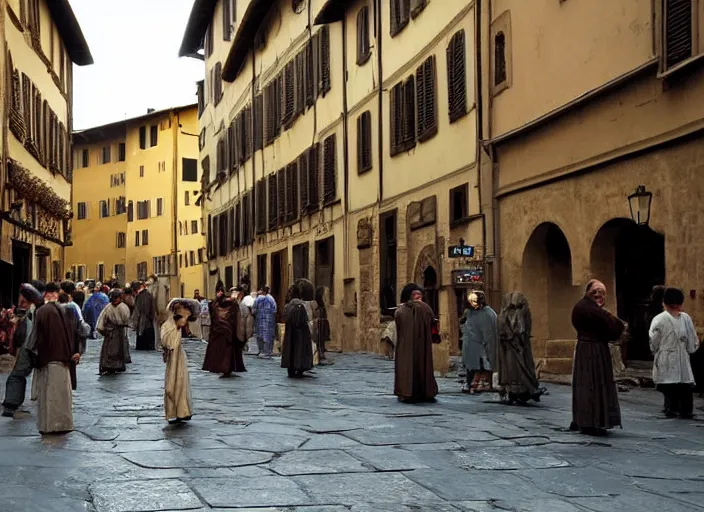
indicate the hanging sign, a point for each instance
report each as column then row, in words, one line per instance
column 461, row 251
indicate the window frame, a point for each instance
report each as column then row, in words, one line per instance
column 364, row 51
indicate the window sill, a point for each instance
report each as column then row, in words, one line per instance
column 331, row 202
column 680, row 66
column 465, row 220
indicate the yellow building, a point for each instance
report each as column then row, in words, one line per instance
column 40, row 42
column 136, row 183
column 340, row 145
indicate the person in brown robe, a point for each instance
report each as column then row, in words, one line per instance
column 112, row 325
column 595, row 407
column 225, row 341
column 297, row 351
column 414, row 380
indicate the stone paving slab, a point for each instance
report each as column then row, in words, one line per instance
column 339, row 442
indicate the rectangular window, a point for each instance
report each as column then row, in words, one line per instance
column 387, row 261
column 679, row 31
column 82, row 211
column 194, row 227
column 300, row 261
column 141, row 171
column 189, row 169
column 100, row 272
column 192, row 255
column 324, row 60
column 85, row 157
column 364, row 142
column 427, row 119
column 142, row 137
column 119, row 272
column 145, row 237
column 159, row 207
column 121, row 240
column 136, row 238
column 201, row 99
column 363, row 46
column 400, row 15
column 187, row 198
column 459, row 204
column 153, row 135
column 226, row 20
column 130, row 211
column 106, row 155
column 121, row 152
column 217, row 83
column 329, row 168
column 104, row 209
column 457, row 77
column 142, row 271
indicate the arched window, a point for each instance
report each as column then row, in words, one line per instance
column 499, row 58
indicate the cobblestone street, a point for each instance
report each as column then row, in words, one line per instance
column 339, row 441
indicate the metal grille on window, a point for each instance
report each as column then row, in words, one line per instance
column 678, row 31
column 456, row 77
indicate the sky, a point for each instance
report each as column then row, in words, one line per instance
column 135, row 48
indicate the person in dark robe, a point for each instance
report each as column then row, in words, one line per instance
column 595, row 407
column 16, row 385
column 143, row 318
column 479, row 338
column 321, row 324
column 514, row 354
column 414, row 380
column 225, row 341
column 297, row 350
column 112, row 326
column 79, row 296
column 53, row 343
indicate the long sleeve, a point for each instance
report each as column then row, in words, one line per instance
column 692, row 339
column 655, row 333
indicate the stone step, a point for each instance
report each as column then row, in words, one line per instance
column 560, row 349
column 558, row 366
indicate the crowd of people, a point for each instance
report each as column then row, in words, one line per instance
column 51, row 324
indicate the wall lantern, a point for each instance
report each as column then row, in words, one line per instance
column 639, row 203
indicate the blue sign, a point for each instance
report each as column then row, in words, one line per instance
column 461, row 251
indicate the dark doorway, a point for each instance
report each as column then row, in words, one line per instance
column 22, row 268
column 261, row 271
column 325, row 265
column 229, row 277
column 279, row 280
column 430, row 288
column 639, row 265
column 387, row 261
column 300, row 261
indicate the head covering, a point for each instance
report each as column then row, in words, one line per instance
column 592, row 284
column 306, row 290
column 80, row 284
column 192, row 305
column 408, row 290
column 39, row 285
column 31, row 294
column 115, row 294
column 514, row 317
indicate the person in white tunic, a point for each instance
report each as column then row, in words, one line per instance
column 672, row 339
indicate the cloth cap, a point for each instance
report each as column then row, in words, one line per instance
column 408, row 290
column 31, row 294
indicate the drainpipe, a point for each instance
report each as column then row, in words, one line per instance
column 378, row 39
column 345, row 149
column 174, row 204
column 253, row 258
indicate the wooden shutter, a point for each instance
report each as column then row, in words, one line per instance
column 303, row 188
column 678, row 31
column 281, row 196
column 292, row 191
column 409, row 114
column 289, row 96
column 300, row 102
column 314, row 177
column 393, row 18
column 417, row 7
column 233, row 229
column 364, row 142
column 324, row 53
column 226, row 20
column 396, row 119
column 311, row 67
column 273, row 202
column 260, row 206
column 248, row 142
column 258, row 122
column 456, row 77
column 269, row 115
column 329, row 146
column 363, row 52
column 427, row 100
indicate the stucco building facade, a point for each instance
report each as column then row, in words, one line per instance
column 136, row 183
column 342, row 148
column 40, row 43
column 585, row 102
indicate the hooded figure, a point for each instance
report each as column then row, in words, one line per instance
column 479, row 335
column 112, row 325
column 514, row 354
column 226, row 338
column 414, row 380
column 297, row 352
column 93, row 307
column 177, row 386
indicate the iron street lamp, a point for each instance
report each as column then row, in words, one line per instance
column 639, row 203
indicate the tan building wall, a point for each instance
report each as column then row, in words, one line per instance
column 151, row 174
column 626, row 119
column 38, row 54
column 427, row 173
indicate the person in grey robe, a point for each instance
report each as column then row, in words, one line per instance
column 479, row 335
column 514, row 354
column 112, row 325
column 16, row 385
column 144, row 318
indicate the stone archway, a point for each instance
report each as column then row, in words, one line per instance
column 630, row 260
column 426, row 275
column 547, row 283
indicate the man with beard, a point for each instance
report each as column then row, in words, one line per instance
column 16, row 385
column 143, row 317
